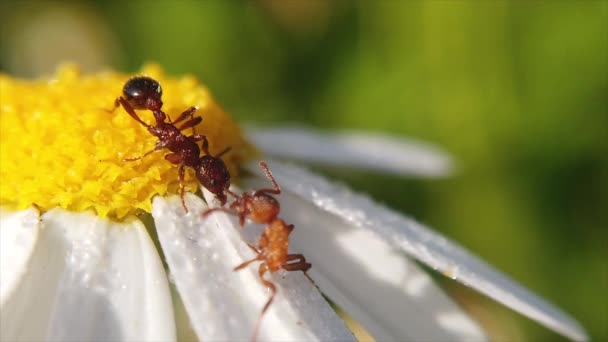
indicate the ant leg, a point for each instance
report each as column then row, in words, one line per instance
column 185, row 114
column 300, row 265
column 243, row 209
column 246, row 263
column 254, row 248
column 191, row 123
column 182, row 173
column 273, row 291
column 129, row 110
column 174, row 158
column 277, row 188
column 226, row 150
column 205, row 145
column 290, row 228
column 156, row 149
column 116, row 105
column 231, row 212
column 231, row 193
column 198, row 137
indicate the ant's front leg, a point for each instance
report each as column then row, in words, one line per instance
column 125, row 104
column 248, row 262
column 187, row 113
column 116, row 105
column 191, row 123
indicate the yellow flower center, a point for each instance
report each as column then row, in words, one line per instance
column 61, row 146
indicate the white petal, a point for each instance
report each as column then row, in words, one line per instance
column 18, row 236
column 425, row 245
column 362, row 150
column 89, row 280
column 376, row 284
column 224, row 304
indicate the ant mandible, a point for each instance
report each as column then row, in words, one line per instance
column 142, row 92
column 272, row 249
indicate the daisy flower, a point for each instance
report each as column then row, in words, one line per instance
column 94, row 248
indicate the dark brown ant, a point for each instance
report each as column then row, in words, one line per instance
column 272, row 249
column 143, row 92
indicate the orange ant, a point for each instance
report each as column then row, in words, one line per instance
column 143, row 92
column 272, row 250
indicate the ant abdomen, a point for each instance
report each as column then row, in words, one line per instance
column 213, row 174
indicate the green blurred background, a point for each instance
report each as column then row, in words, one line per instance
column 516, row 92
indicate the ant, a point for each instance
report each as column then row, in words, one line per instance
column 272, row 250
column 142, row 92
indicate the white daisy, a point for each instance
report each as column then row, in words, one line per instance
column 68, row 272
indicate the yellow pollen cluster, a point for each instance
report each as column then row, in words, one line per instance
column 61, row 146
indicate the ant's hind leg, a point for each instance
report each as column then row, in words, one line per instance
column 300, row 265
column 273, row 291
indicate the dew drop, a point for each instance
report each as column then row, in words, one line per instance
column 451, row 272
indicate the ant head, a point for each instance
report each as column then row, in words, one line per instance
column 143, row 92
column 214, row 176
column 263, row 208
